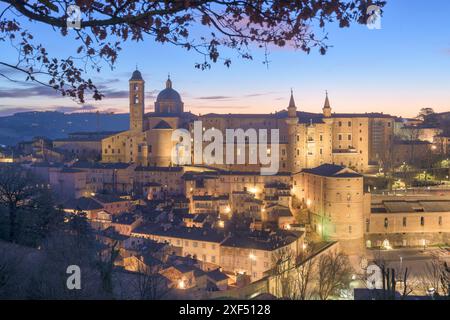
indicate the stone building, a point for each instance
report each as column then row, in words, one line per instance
column 306, row 140
column 336, row 201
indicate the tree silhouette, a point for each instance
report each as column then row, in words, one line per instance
column 204, row 26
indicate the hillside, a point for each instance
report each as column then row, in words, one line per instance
column 26, row 125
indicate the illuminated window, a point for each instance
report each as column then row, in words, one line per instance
column 386, row 222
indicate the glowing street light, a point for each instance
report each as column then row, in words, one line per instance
column 253, row 190
column 181, row 284
column 252, row 257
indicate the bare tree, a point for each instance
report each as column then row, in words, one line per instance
column 149, row 283
column 283, row 262
column 304, row 276
column 105, row 265
column 8, row 268
column 18, row 190
column 436, row 277
column 333, row 274
column 396, row 282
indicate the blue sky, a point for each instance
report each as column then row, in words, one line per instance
column 399, row 69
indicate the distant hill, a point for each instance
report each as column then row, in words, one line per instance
column 52, row 124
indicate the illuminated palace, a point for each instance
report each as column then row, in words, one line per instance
column 323, row 157
column 361, row 142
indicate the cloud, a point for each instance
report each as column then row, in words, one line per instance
column 219, row 107
column 29, row 91
column 215, row 98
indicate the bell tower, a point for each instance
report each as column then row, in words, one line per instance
column 137, row 94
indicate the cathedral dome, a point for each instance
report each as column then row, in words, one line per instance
column 168, row 93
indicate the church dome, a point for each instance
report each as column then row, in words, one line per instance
column 169, row 93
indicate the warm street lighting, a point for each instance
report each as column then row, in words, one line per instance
column 181, row 284
column 252, row 257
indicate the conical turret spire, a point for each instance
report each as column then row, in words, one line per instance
column 327, row 101
column 291, row 100
column 326, row 106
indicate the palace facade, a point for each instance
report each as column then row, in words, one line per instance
column 306, row 140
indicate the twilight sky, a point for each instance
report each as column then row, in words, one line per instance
column 398, row 70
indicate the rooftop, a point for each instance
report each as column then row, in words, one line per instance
column 83, row 203
column 198, row 234
column 99, row 165
column 403, row 206
column 262, row 240
column 331, row 170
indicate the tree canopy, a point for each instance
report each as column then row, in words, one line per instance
column 107, row 25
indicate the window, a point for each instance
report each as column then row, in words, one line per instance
column 349, row 137
column 440, row 221
column 349, row 229
column 386, row 222
column 367, row 225
column 340, row 137
column 404, row 221
column 349, row 123
column 340, row 123
column 298, row 138
column 321, row 138
column 422, row 221
column 195, row 244
column 213, row 259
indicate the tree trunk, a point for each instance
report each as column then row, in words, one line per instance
column 12, row 222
